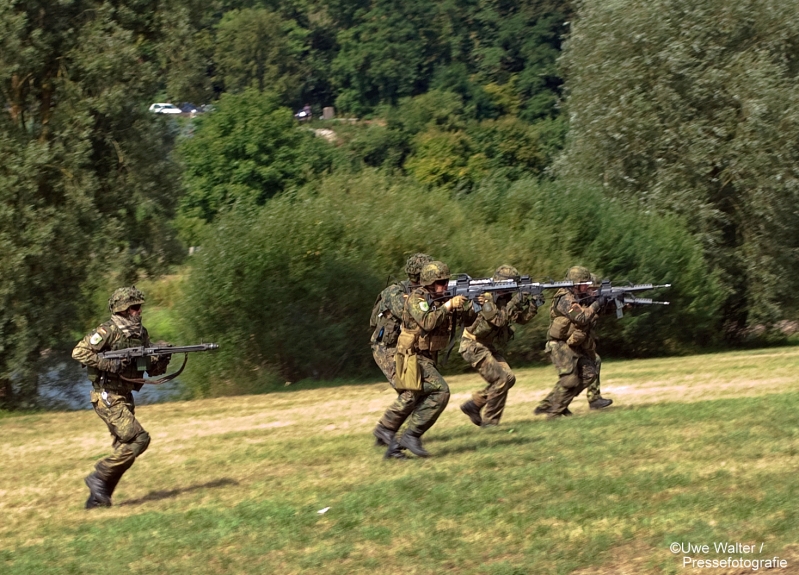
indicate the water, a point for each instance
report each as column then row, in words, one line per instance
column 63, row 385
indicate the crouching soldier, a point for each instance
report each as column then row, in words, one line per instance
column 386, row 322
column 482, row 344
column 426, row 325
column 113, row 381
column 571, row 344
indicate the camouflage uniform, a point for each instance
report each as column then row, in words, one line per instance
column 386, row 323
column 481, row 344
column 426, row 326
column 112, row 397
column 571, row 345
column 432, row 326
column 384, row 345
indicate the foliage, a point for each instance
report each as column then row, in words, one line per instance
column 501, row 56
column 85, row 178
column 292, row 282
column 247, row 150
column 256, row 48
column 693, row 108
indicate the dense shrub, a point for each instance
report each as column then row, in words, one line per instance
column 287, row 288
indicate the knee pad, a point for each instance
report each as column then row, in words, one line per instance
column 140, row 443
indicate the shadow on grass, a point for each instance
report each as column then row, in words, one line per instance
column 479, row 439
column 164, row 494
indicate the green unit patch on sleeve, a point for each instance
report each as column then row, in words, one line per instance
column 95, row 338
column 423, row 306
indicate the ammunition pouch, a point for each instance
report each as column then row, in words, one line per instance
column 559, row 328
column 406, row 362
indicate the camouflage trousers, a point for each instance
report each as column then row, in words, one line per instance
column 577, row 370
column 129, row 438
column 491, row 365
column 402, row 407
column 421, row 408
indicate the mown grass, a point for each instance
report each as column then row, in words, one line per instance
column 234, row 485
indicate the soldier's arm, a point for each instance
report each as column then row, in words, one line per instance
column 579, row 315
column 426, row 316
column 87, row 349
column 525, row 311
column 396, row 300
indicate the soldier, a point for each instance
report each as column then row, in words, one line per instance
column 386, row 321
column 426, row 324
column 113, row 380
column 571, row 344
column 481, row 344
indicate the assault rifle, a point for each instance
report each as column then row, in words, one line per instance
column 472, row 288
column 131, row 353
column 625, row 295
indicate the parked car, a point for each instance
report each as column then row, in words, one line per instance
column 164, row 109
column 188, row 108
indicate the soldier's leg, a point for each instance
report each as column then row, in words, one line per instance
column 565, row 362
column 384, row 358
column 566, row 389
column 497, row 372
column 431, row 402
column 130, row 441
column 401, row 408
column 592, row 392
column 398, row 411
column 476, row 355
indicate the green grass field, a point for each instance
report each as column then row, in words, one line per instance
column 699, row 450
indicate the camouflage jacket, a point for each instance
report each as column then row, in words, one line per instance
column 429, row 323
column 109, row 337
column 386, row 317
column 573, row 322
column 491, row 326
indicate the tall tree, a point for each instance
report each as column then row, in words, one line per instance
column 85, row 180
column 692, row 106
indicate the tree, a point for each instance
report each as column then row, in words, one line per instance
column 693, row 107
column 248, row 150
column 256, row 48
column 85, row 181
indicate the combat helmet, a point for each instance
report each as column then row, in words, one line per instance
column 414, row 265
column 123, row 298
column 434, row 271
column 506, row 273
column 578, row 274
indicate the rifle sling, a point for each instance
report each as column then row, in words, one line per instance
column 164, row 379
column 453, row 339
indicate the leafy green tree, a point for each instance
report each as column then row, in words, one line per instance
column 86, row 186
column 249, row 149
column 256, row 48
column 693, row 108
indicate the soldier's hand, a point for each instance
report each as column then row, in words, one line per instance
column 455, row 303
column 487, row 297
column 518, row 300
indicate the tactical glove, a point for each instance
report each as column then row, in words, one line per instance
column 485, row 298
column 455, row 303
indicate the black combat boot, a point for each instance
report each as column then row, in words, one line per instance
column 413, row 443
column 394, row 451
column 472, row 412
column 99, row 492
column 539, row 410
column 599, row 403
column 383, row 435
